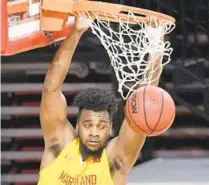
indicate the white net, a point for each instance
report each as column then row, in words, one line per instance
column 134, row 49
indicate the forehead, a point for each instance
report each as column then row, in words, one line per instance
column 89, row 114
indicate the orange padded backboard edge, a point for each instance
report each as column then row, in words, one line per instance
column 21, row 28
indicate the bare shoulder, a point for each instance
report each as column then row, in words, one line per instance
column 68, row 135
column 116, row 163
column 115, row 158
column 110, row 146
column 124, row 150
column 54, row 148
column 56, row 144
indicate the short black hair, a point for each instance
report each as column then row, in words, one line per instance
column 96, row 100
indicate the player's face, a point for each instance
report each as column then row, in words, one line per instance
column 94, row 129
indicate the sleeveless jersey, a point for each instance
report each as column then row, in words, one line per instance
column 69, row 169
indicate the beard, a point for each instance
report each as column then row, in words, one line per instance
column 86, row 152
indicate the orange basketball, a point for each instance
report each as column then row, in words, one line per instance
column 150, row 110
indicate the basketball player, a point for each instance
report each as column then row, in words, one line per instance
column 84, row 156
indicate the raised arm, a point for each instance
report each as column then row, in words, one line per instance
column 53, row 111
column 129, row 143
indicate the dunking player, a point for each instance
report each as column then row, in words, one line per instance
column 84, row 156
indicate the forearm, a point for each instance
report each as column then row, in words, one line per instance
column 154, row 70
column 61, row 62
column 154, row 67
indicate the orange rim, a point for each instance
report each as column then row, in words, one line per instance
column 105, row 11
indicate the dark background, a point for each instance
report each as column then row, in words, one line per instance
column 186, row 78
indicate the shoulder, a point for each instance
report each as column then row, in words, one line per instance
column 54, row 151
column 116, row 160
column 56, row 146
column 110, row 147
column 109, row 151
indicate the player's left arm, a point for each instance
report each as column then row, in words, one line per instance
column 155, row 67
column 128, row 144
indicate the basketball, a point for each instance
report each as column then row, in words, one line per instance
column 150, row 110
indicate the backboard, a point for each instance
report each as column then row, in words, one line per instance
column 21, row 30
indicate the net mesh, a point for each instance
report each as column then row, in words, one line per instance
column 133, row 48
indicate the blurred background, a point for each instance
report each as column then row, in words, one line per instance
column 186, row 78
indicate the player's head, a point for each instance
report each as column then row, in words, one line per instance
column 94, row 121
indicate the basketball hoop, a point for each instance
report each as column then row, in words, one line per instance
column 128, row 44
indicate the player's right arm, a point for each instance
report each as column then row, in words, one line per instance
column 57, row 131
